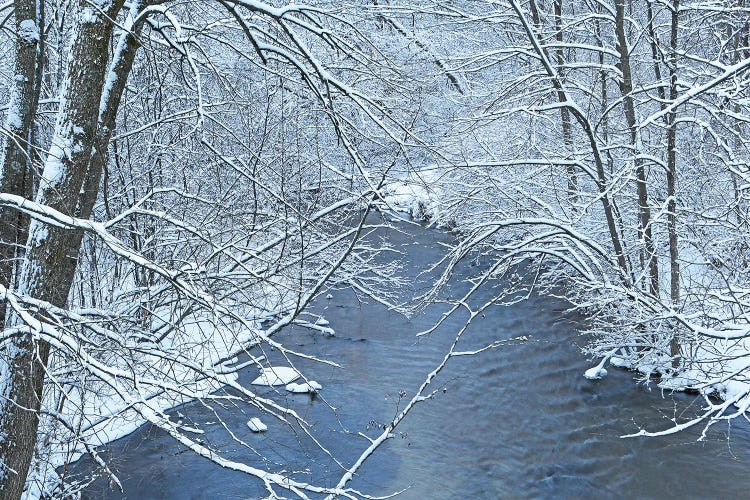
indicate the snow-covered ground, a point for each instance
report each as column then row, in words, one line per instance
column 417, row 195
column 106, row 412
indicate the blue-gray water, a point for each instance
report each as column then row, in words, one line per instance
column 517, row 421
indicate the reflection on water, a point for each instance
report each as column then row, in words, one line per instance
column 519, row 420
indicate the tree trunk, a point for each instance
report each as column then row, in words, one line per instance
column 16, row 162
column 674, row 264
column 122, row 63
column 51, row 259
column 601, row 181
column 650, row 265
column 564, row 112
column 654, row 42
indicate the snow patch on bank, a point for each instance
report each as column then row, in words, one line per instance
column 417, row 195
column 595, row 373
column 718, row 369
column 206, row 344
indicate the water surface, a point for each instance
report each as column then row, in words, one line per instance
column 516, row 421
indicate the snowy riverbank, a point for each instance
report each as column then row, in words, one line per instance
column 718, row 358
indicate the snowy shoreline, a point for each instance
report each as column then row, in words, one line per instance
column 118, row 419
column 419, row 196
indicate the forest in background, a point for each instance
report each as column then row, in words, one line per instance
column 181, row 178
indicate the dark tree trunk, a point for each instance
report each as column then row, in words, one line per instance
column 601, row 180
column 16, row 162
column 650, row 264
column 111, row 97
column 674, row 264
column 564, row 112
column 52, row 254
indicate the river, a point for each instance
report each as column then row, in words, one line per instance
column 516, row 421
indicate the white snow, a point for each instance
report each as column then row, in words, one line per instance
column 595, row 373
column 681, row 381
column 277, row 375
column 40, row 234
column 618, row 362
column 28, row 32
column 408, row 197
column 13, row 118
column 65, row 143
column 93, row 14
column 256, row 425
column 306, row 387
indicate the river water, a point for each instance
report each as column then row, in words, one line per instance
column 516, row 421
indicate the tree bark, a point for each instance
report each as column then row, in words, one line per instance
column 122, row 63
column 51, row 259
column 650, row 265
column 674, row 263
column 564, row 112
column 16, row 162
column 654, row 42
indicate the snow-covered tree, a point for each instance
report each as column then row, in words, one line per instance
column 209, row 174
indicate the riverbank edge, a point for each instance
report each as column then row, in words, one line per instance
column 420, row 197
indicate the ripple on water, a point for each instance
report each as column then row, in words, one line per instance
column 517, row 421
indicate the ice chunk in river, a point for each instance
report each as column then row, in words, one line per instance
column 277, row 375
column 256, row 425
